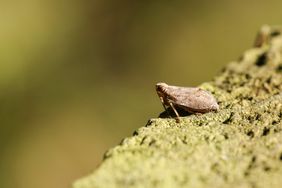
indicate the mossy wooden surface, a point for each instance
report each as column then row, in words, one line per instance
column 238, row 146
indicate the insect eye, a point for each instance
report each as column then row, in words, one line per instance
column 159, row 88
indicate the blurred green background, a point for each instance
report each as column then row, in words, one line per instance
column 78, row 76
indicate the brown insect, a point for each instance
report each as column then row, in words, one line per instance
column 190, row 99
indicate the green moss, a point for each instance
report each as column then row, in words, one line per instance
column 238, row 146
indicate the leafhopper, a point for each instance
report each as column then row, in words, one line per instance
column 190, row 99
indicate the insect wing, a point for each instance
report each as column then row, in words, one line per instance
column 191, row 98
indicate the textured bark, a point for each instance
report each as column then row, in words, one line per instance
column 238, row 146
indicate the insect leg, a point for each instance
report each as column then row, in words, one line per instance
column 162, row 100
column 176, row 113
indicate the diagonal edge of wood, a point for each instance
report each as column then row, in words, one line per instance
column 238, row 146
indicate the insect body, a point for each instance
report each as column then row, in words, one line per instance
column 190, row 99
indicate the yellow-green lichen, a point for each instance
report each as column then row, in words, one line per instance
column 238, row 146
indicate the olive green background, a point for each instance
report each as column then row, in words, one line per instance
column 78, row 76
